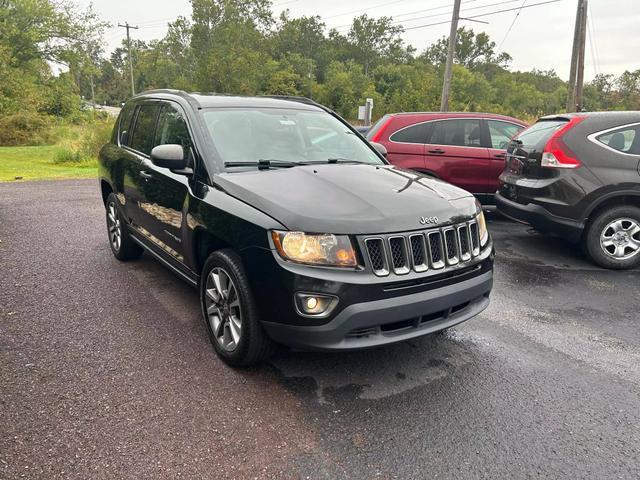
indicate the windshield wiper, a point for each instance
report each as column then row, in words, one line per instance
column 344, row 160
column 264, row 164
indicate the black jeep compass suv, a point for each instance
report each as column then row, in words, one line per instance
column 578, row 175
column 292, row 226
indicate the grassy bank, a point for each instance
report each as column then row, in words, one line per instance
column 40, row 163
column 72, row 156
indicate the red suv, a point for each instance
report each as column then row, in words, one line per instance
column 465, row 149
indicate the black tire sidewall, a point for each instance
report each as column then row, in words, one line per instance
column 592, row 240
column 129, row 250
column 250, row 346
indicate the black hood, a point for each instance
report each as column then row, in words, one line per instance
column 353, row 199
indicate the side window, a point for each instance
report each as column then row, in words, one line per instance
column 125, row 123
column 413, row 134
column 172, row 129
column 462, row 133
column 143, row 132
column 502, row 132
column 625, row 140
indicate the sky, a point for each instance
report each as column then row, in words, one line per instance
column 536, row 37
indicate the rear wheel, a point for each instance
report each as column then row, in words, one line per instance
column 613, row 238
column 230, row 312
column 122, row 246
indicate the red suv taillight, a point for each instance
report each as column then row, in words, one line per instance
column 556, row 154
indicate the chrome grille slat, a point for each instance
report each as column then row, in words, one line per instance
column 436, row 250
column 399, row 258
column 451, row 245
column 377, row 256
column 419, row 251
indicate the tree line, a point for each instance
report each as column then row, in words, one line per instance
column 240, row 47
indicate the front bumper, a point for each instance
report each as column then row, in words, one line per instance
column 390, row 320
column 540, row 218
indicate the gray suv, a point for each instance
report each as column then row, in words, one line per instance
column 578, row 175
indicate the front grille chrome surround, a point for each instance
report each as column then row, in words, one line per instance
column 419, row 255
column 398, row 254
column 451, row 245
column 377, row 256
column 419, row 251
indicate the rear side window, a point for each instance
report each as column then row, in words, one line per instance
column 376, row 126
column 501, row 133
column 462, row 133
column 539, row 133
column 625, row 139
column 144, row 130
column 125, row 123
column 413, row 134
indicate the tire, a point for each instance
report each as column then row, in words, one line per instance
column 232, row 319
column 122, row 246
column 613, row 238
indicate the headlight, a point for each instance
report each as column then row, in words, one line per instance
column 315, row 249
column 482, row 229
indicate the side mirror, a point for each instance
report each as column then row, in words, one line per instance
column 380, row 148
column 169, row 156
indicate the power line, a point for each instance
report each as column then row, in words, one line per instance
column 479, row 7
column 512, row 24
column 593, row 46
column 484, row 14
column 364, row 9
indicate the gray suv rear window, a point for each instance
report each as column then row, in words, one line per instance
column 539, row 133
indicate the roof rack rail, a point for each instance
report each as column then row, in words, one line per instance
column 293, row 98
column 181, row 93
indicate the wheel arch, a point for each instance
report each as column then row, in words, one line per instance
column 205, row 243
column 610, row 200
column 105, row 189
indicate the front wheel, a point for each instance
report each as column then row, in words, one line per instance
column 613, row 238
column 230, row 312
column 122, row 246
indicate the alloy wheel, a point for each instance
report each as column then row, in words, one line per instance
column 223, row 309
column 114, row 226
column 620, row 239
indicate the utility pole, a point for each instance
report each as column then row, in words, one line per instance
column 576, row 74
column 128, row 27
column 581, row 49
column 448, row 68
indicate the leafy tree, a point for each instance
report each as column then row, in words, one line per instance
column 471, row 51
column 373, row 39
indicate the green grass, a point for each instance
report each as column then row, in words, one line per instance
column 38, row 163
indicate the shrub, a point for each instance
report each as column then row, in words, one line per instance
column 89, row 139
column 25, row 128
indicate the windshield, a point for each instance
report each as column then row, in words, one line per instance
column 299, row 136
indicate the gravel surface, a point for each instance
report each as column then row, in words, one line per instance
column 106, row 371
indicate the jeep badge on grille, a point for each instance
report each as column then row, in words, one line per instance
column 428, row 220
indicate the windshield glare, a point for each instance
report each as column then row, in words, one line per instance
column 299, row 136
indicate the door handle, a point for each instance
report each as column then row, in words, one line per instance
column 499, row 155
column 145, row 175
column 437, row 150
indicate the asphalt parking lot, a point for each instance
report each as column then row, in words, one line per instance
column 106, row 371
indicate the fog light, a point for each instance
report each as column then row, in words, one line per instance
column 315, row 305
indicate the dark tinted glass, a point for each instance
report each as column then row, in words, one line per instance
column 172, row 128
column 142, row 138
column 625, row 139
column 462, row 133
column 125, row 123
column 377, row 126
column 412, row 134
column 539, row 133
column 502, row 132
